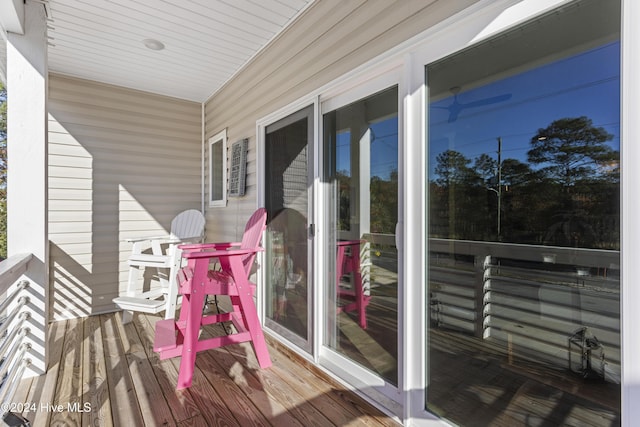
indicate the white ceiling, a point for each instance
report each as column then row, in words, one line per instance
column 206, row 41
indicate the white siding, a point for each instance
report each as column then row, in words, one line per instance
column 122, row 163
column 331, row 38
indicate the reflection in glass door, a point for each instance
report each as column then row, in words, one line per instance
column 287, row 200
column 524, row 224
column 361, row 168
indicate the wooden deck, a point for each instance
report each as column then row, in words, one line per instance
column 104, row 373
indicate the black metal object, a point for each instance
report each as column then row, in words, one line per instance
column 15, row 420
column 586, row 354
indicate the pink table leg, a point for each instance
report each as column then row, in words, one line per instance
column 193, row 301
column 248, row 309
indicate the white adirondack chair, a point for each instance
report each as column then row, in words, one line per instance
column 186, row 227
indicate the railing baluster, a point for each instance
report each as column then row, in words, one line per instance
column 9, row 319
column 12, row 376
column 14, row 333
column 18, row 329
column 13, row 385
column 23, row 284
column 16, row 349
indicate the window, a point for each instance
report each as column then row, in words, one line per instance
column 218, row 169
column 524, row 224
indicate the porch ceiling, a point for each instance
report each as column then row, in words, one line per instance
column 205, row 41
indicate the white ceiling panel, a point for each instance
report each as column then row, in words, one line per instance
column 205, row 41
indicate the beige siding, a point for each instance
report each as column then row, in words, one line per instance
column 330, row 39
column 122, row 163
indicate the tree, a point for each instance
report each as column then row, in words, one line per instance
column 567, row 194
column 486, row 167
column 459, row 188
column 3, row 171
column 570, row 149
column 514, row 172
column 577, row 161
column 3, row 137
column 384, row 203
column 452, row 168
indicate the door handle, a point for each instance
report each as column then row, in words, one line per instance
column 312, row 231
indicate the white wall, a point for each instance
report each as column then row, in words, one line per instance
column 122, row 163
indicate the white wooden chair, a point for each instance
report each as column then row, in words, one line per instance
column 165, row 257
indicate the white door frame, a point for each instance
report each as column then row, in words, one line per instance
column 474, row 24
column 367, row 383
column 305, row 348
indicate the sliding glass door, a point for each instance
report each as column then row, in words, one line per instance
column 354, row 276
column 360, row 170
column 524, row 224
column 288, row 177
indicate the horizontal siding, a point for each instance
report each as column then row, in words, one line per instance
column 122, row 163
column 331, row 38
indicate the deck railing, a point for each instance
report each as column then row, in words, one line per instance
column 13, row 326
column 550, row 304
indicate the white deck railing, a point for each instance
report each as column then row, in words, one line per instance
column 538, row 302
column 13, row 329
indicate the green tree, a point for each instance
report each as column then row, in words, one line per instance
column 571, row 149
column 581, row 173
column 486, row 167
column 460, row 188
column 3, row 171
column 384, row 203
column 567, row 194
column 452, row 168
column 344, row 194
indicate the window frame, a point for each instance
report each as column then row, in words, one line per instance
column 219, row 138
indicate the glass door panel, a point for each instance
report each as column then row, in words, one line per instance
column 524, row 224
column 287, row 200
column 361, row 168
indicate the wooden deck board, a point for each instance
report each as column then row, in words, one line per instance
column 112, row 367
column 43, row 388
column 243, row 408
column 217, row 411
column 69, row 383
column 155, row 410
column 342, row 408
column 153, row 405
column 124, row 405
column 180, row 402
column 277, row 389
column 95, row 405
column 197, row 421
column 250, row 386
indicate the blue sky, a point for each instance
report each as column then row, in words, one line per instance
column 384, row 148
column 586, row 84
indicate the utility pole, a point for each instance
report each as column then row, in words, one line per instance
column 499, row 183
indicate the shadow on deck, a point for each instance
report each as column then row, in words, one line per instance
column 102, row 372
